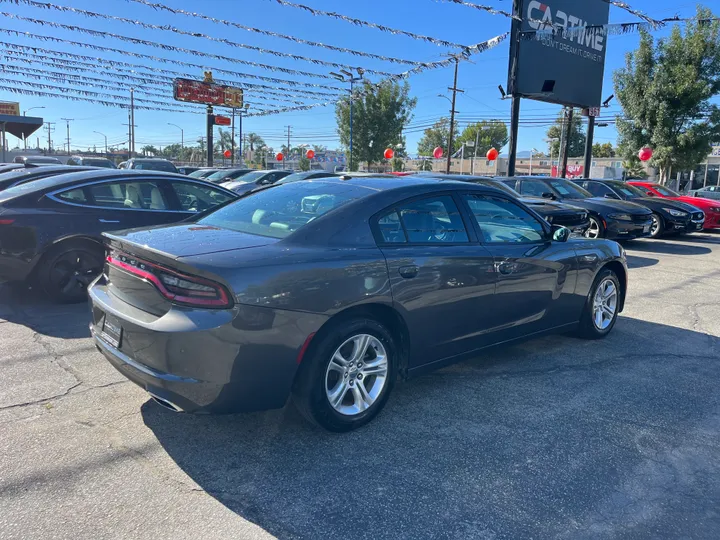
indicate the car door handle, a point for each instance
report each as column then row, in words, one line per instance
column 408, row 272
column 109, row 220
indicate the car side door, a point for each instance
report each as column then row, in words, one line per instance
column 598, row 189
column 442, row 279
column 535, row 275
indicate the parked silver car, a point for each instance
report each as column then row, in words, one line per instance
column 708, row 192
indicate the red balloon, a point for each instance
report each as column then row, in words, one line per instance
column 227, row 153
column 279, row 157
column 645, row 154
column 438, row 153
column 389, row 153
column 310, row 154
column 492, row 154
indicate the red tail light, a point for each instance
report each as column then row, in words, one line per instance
column 175, row 286
column 7, row 221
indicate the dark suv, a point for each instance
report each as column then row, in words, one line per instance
column 149, row 164
column 90, row 161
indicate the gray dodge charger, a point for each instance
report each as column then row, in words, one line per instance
column 328, row 290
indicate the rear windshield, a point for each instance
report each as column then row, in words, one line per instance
column 155, row 166
column 569, row 190
column 281, row 210
column 98, row 163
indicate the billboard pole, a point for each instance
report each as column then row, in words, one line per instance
column 589, row 145
column 512, row 86
column 210, row 124
column 452, row 117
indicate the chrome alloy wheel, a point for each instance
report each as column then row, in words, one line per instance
column 655, row 227
column 593, row 231
column 356, row 375
column 605, row 304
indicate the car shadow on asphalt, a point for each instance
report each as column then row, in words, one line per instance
column 634, row 261
column 22, row 304
column 667, row 248
column 543, row 439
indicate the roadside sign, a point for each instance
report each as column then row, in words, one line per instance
column 222, row 120
column 593, row 112
column 207, row 93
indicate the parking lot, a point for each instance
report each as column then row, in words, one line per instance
column 554, row 438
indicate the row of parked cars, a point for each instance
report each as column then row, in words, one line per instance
column 314, row 286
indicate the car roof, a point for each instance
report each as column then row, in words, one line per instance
column 379, row 182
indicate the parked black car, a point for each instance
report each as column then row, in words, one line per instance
column 37, row 160
column 203, row 172
column 616, row 220
column 329, row 289
column 668, row 216
column 22, row 176
column 227, row 175
column 187, row 170
column 50, row 229
column 554, row 212
column 252, row 180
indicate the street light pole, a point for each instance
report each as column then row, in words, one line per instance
column 532, row 151
column 105, row 141
column 182, row 135
column 25, row 114
column 347, row 76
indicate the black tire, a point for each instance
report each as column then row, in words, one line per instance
column 595, row 225
column 66, row 270
column 588, row 328
column 657, row 229
column 310, row 393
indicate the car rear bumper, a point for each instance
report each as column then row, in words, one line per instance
column 238, row 360
column 627, row 230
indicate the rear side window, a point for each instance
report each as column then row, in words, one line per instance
column 76, row 196
column 535, row 188
column 433, row 220
column 143, row 195
column 279, row 211
column 198, row 198
column 503, row 222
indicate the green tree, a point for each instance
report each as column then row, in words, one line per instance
column 634, row 168
column 149, row 150
column 489, row 134
column 576, row 133
column 665, row 90
column 381, row 112
column 398, row 164
column 304, row 164
column 435, row 136
column 223, row 142
column 603, row 150
column 319, row 148
column 254, row 141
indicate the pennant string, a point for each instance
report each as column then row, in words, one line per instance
column 291, row 82
column 366, row 24
column 162, row 7
column 486, row 9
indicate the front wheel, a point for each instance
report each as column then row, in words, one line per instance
column 595, row 230
column 346, row 380
column 657, row 227
column 602, row 306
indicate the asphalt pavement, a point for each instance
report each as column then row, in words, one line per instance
column 554, row 438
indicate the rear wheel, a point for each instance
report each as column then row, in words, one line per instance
column 347, row 378
column 657, row 227
column 67, row 269
column 602, row 306
column 596, row 229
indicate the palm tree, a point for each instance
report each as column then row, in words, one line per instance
column 224, row 141
column 254, row 141
column 149, row 150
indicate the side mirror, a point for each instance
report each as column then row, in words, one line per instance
column 650, row 194
column 548, row 195
column 560, row 233
column 610, row 196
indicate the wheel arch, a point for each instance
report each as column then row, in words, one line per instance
column 383, row 313
column 61, row 242
column 619, row 269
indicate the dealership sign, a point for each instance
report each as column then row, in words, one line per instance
column 10, row 108
column 558, row 61
column 207, row 93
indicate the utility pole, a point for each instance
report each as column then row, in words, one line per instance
column 288, row 145
column 130, row 133
column 232, row 140
column 210, row 127
column 477, row 142
column 67, row 123
column 132, row 122
column 565, row 145
column 455, row 90
column 50, row 129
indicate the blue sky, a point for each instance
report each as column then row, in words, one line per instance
column 442, row 20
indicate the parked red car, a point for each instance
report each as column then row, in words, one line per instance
column 709, row 206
